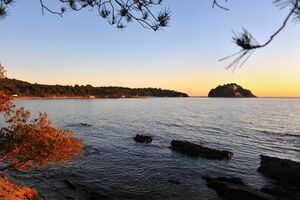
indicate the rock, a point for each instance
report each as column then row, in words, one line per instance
column 143, row 138
column 198, row 150
column 85, row 125
column 84, row 192
column 282, row 193
column 70, row 184
column 230, row 90
column 174, row 181
column 283, row 170
column 236, row 189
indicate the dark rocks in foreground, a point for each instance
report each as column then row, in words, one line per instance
column 230, row 90
column 236, row 189
column 84, row 192
column 282, row 193
column 285, row 171
column 198, row 150
column 143, row 138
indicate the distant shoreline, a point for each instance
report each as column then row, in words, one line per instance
column 21, row 89
column 142, row 97
column 83, row 97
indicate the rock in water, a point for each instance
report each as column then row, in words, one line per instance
column 283, row 170
column 230, row 90
column 70, row 184
column 236, row 189
column 143, row 138
column 85, row 125
column 282, row 193
column 198, row 150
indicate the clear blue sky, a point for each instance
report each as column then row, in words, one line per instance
column 82, row 48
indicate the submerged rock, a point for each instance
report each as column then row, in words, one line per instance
column 84, row 192
column 70, row 184
column 85, row 125
column 230, row 90
column 198, row 150
column 236, row 189
column 143, row 138
column 177, row 182
column 284, row 170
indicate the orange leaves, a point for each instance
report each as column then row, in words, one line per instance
column 11, row 191
column 26, row 142
column 36, row 142
column 5, row 102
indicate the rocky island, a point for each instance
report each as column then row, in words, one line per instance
column 230, row 90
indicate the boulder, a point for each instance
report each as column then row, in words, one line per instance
column 284, row 171
column 236, row 189
column 192, row 149
column 143, row 138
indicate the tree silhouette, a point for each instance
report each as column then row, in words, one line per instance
column 32, row 142
column 119, row 13
column 248, row 44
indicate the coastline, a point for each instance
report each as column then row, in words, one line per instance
column 85, row 97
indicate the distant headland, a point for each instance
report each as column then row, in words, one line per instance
column 230, row 90
column 22, row 89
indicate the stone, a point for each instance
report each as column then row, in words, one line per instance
column 192, row 149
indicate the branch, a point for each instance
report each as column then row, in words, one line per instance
column 118, row 12
column 15, row 166
column 295, row 7
column 249, row 44
column 216, row 4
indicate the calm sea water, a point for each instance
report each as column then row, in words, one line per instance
column 129, row 170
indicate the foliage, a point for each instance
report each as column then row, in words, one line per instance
column 5, row 100
column 25, row 142
column 117, row 12
column 35, row 142
column 12, row 191
column 248, row 44
column 21, row 88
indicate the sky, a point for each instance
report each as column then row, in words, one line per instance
column 82, row 48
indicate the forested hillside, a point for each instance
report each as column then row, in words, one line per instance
column 25, row 89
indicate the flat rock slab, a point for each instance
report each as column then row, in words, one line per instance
column 236, row 189
column 192, row 149
column 282, row 170
column 282, row 193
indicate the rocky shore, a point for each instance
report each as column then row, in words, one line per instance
column 284, row 173
column 285, row 186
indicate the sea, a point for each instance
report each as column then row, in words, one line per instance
column 116, row 165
